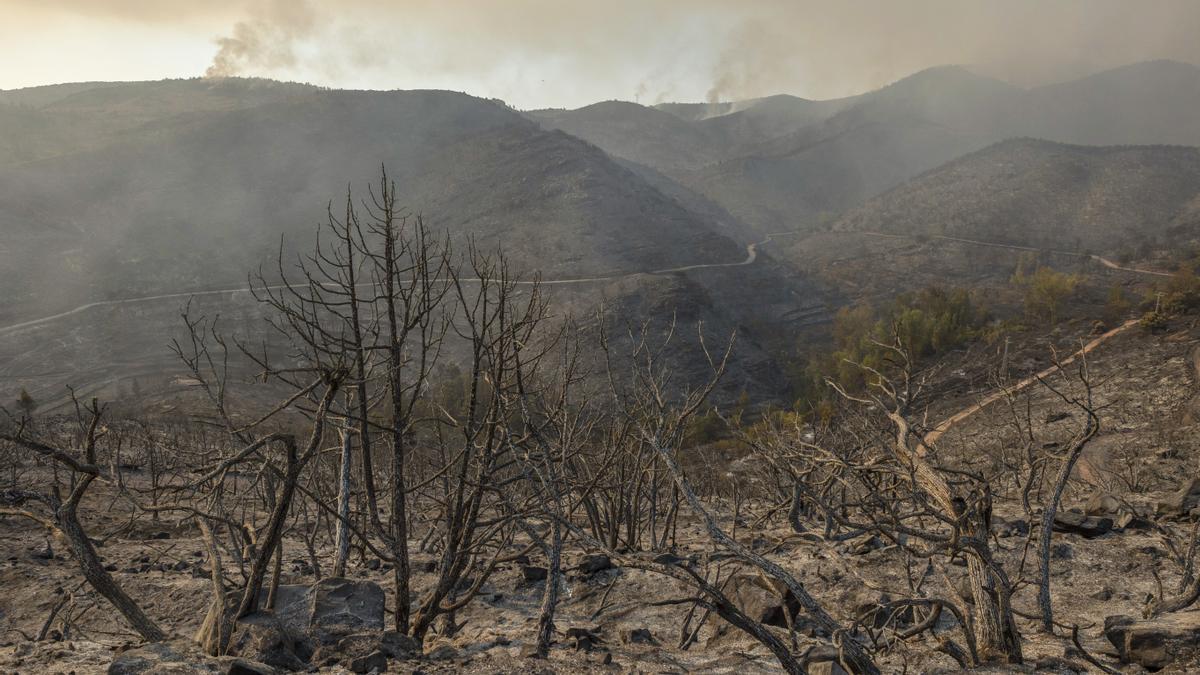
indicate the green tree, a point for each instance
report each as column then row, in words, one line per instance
column 1116, row 306
column 1045, row 292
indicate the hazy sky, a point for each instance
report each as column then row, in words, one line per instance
column 535, row 53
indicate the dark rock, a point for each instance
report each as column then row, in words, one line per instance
column 1183, row 501
column 765, row 601
column 244, row 667
column 1057, row 417
column 1062, row 551
column 531, row 573
column 442, row 652
column 398, row 645
column 1012, row 528
column 1155, row 643
column 672, row 559
column 637, row 636
column 1088, row 527
column 583, row 639
column 343, row 606
column 374, row 564
column 594, row 563
column 863, row 544
column 373, row 662
column 110, row 567
column 1103, row 594
column 262, row 637
column 161, row 535
column 823, row 660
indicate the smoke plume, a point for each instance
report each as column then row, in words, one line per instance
column 266, row 42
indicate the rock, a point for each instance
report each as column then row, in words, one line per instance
column 262, row 637
column 1102, row 504
column 359, row 646
column 1183, row 501
column 1130, row 521
column 442, row 652
column 1057, row 417
column 1155, row 643
column 1062, row 551
column 161, row 658
column 398, row 645
column 531, row 573
column 592, row 564
column 373, row 662
column 637, row 636
column 827, row 668
column 765, row 601
column 672, row 559
column 374, row 564
column 244, row 667
column 1088, row 527
column 341, row 607
column 1103, row 594
column 823, row 660
column 1012, row 528
column 583, row 639
column 863, row 544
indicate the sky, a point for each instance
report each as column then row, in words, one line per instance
column 568, row 53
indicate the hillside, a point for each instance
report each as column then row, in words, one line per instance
column 201, row 199
column 166, row 189
column 1049, row 195
column 781, row 163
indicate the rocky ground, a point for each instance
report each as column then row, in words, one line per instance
column 1125, row 522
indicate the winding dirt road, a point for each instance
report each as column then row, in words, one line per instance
column 751, row 257
column 944, row 425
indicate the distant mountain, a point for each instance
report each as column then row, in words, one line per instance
column 783, row 163
column 1038, row 193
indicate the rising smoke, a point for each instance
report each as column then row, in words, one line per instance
column 572, row 52
column 266, row 42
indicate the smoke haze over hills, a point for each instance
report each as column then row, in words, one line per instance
column 535, row 54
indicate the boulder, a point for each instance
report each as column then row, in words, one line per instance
column 584, row 639
column 358, row 647
column 766, row 601
column 262, row 637
column 1183, row 501
column 373, row 662
column 1089, row 527
column 182, row 657
column 1155, row 643
column 341, row 607
column 244, row 667
column 823, row 660
column 1011, row 528
column 637, row 636
column 863, row 544
column 1102, row 504
column 531, row 573
column 592, row 564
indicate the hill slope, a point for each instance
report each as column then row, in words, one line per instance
column 1044, row 194
column 783, row 163
column 197, row 200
